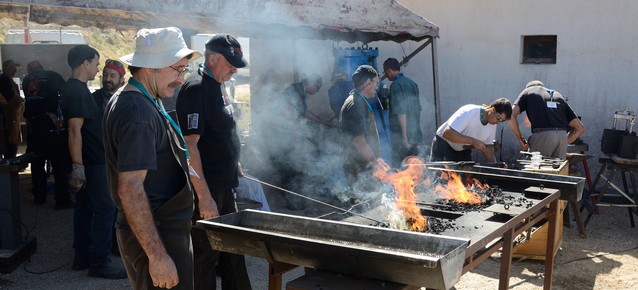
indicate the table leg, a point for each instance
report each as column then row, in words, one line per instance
column 608, row 180
column 506, row 259
column 275, row 273
column 579, row 221
column 589, row 183
column 634, row 192
column 612, row 173
column 603, row 166
column 551, row 242
column 629, row 209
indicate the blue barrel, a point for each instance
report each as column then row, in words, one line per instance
column 348, row 59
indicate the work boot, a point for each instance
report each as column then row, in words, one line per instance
column 108, row 271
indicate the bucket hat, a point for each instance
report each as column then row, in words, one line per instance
column 159, row 48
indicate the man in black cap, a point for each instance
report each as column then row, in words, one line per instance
column 206, row 119
column 405, row 113
column 361, row 138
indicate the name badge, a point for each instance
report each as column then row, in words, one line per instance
column 552, row 105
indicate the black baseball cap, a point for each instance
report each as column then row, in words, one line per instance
column 229, row 47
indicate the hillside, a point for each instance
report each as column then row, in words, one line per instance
column 110, row 43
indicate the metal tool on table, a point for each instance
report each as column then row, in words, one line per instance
column 348, row 211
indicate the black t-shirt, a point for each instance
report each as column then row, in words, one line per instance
column 136, row 137
column 535, row 101
column 101, row 97
column 355, row 120
column 79, row 103
column 41, row 89
column 202, row 110
column 337, row 95
column 8, row 87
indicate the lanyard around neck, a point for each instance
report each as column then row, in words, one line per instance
column 364, row 99
column 206, row 70
column 168, row 118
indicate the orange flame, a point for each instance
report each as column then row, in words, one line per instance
column 457, row 191
column 404, row 183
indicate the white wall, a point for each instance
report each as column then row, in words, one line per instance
column 479, row 53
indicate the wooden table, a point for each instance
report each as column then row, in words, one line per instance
column 563, row 169
column 610, row 165
column 490, row 234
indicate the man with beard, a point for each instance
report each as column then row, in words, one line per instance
column 94, row 209
column 147, row 164
column 112, row 80
column 206, row 118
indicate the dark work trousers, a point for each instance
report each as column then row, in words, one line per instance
column 94, row 218
column 173, row 222
column 44, row 140
column 399, row 153
column 232, row 266
column 442, row 151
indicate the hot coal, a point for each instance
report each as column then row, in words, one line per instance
column 439, row 225
column 490, row 196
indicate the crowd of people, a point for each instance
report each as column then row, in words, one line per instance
column 354, row 100
column 143, row 175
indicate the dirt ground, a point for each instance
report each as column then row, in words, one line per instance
column 606, row 259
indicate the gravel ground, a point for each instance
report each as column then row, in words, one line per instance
column 607, row 259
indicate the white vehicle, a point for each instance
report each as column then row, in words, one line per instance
column 44, row 36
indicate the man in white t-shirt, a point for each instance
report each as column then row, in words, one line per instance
column 470, row 127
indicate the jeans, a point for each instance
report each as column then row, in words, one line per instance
column 94, row 218
column 48, row 144
column 442, row 151
column 234, row 275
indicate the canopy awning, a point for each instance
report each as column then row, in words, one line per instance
column 347, row 20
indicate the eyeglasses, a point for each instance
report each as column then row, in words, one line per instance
column 498, row 118
column 182, row 72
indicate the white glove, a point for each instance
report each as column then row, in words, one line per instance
column 77, row 177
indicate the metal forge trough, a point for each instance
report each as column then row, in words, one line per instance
column 357, row 247
column 358, row 250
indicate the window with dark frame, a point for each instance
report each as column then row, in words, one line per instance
column 539, row 49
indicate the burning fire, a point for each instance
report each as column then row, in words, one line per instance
column 404, row 183
column 457, row 191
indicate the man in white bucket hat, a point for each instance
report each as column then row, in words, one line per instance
column 147, row 164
